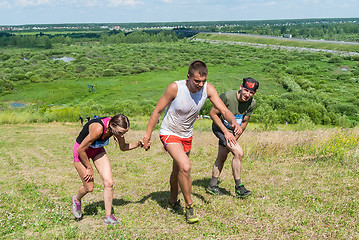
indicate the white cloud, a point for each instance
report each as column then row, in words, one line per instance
column 345, row 5
column 77, row 3
column 318, row 2
column 72, row 3
column 91, row 3
column 270, row 3
column 5, row 4
column 25, row 3
column 116, row 3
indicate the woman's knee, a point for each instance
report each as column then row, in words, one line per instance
column 88, row 188
column 108, row 183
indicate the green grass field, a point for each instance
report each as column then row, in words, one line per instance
column 304, row 186
column 130, row 78
column 144, row 86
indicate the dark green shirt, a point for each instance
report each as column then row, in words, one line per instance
column 231, row 101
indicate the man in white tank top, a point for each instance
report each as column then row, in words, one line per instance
column 184, row 99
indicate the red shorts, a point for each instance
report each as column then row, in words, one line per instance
column 169, row 139
column 90, row 152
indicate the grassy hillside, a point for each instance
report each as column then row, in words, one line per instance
column 303, row 176
column 304, row 185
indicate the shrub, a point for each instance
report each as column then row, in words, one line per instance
column 335, row 59
column 81, row 68
column 5, row 56
column 326, row 120
column 290, row 70
column 109, row 72
column 348, row 109
column 5, row 85
column 304, row 83
column 140, row 69
column 355, row 72
column 305, row 123
column 60, row 74
column 17, row 77
column 290, row 85
column 61, row 114
column 266, row 115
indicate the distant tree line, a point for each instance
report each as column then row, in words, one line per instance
column 341, row 29
column 139, row 37
column 329, row 31
column 188, row 24
column 46, row 41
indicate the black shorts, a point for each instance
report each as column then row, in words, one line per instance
column 220, row 135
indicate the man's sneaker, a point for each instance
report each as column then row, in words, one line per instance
column 242, row 192
column 76, row 207
column 214, row 190
column 175, row 207
column 111, row 220
column 191, row 217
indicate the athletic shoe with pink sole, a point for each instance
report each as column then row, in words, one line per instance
column 76, row 207
column 111, row 220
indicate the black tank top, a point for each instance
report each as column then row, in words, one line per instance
column 85, row 130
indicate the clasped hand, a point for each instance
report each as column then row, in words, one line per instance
column 89, row 175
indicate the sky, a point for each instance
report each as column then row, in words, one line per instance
column 21, row 12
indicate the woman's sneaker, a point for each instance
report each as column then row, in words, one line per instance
column 242, row 192
column 76, row 207
column 111, row 220
column 191, row 217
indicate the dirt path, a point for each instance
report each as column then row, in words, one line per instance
column 288, row 48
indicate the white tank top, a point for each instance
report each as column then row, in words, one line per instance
column 182, row 112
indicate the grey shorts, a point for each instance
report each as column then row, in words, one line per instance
column 220, row 135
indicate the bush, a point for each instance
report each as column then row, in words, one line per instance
column 109, row 72
column 6, row 85
column 290, row 85
column 140, row 69
column 335, row 59
column 290, row 70
column 266, row 115
column 80, row 68
column 347, row 109
column 61, row 114
column 5, row 56
column 304, row 83
column 305, row 123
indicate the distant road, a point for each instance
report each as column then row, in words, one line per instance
column 286, row 39
column 289, row 48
